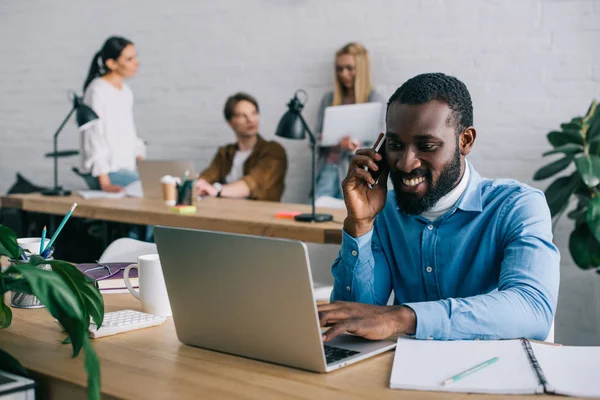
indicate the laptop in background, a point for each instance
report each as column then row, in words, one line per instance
column 360, row 121
column 251, row 296
column 151, row 171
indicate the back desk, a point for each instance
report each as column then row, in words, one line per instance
column 225, row 215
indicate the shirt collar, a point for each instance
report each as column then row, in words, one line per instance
column 471, row 198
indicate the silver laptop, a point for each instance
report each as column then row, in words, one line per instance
column 250, row 296
column 151, row 171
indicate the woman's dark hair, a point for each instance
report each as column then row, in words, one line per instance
column 112, row 49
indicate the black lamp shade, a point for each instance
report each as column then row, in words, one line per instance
column 290, row 126
column 85, row 115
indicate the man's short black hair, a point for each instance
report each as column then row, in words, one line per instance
column 437, row 86
column 232, row 102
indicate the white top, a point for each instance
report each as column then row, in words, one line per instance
column 112, row 143
column 446, row 202
column 237, row 168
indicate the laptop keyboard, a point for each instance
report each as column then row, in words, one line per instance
column 334, row 354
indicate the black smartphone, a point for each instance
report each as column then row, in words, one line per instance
column 379, row 147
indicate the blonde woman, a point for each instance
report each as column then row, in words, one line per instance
column 352, row 86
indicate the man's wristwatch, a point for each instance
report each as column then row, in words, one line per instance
column 219, row 188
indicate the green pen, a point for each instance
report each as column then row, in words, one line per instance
column 64, row 221
column 470, row 371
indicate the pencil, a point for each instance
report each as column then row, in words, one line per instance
column 470, row 371
column 64, row 221
column 43, row 240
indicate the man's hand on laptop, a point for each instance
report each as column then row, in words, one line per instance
column 366, row 320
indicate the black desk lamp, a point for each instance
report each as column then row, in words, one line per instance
column 293, row 126
column 85, row 116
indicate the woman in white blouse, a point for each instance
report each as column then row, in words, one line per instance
column 111, row 147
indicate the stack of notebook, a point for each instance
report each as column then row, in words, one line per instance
column 108, row 277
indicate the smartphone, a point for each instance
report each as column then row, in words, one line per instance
column 379, row 147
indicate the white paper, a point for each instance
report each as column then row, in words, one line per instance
column 425, row 364
column 570, row 370
column 322, row 292
column 329, row 202
column 134, row 189
column 99, row 194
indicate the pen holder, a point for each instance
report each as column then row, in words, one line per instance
column 26, row 300
column 184, row 193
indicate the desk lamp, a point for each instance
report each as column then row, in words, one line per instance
column 85, row 117
column 293, row 126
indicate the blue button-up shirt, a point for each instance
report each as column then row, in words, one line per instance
column 487, row 269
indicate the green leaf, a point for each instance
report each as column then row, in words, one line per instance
column 59, row 299
column 560, row 191
column 577, row 121
column 10, row 364
column 592, row 217
column 552, row 168
column 8, row 243
column 591, row 108
column 594, row 146
column 15, row 284
column 5, row 315
column 92, row 366
column 593, row 133
column 573, row 126
column 89, row 295
column 569, row 148
column 558, row 138
column 584, row 248
column 578, row 214
column 589, row 169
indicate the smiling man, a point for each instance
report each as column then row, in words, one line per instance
column 466, row 257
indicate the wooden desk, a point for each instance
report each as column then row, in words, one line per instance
column 153, row 364
column 225, row 215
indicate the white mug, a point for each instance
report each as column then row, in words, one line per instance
column 153, row 292
column 32, row 244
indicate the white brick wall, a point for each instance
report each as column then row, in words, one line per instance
column 529, row 64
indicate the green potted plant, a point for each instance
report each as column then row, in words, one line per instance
column 578, row 143
column 68, row 295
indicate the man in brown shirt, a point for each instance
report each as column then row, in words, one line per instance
column 251, row 167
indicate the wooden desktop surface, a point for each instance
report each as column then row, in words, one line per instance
column 152, row 364
column 226, row 215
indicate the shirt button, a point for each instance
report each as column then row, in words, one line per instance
column 430, row 227
column 354, row 253
column 430, row 338
column 348, row 288
column 428, row 269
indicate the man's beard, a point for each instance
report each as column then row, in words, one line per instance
column 414, row 205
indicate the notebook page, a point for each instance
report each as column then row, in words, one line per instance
column 99, row 194
column 134, row 189
column 570, row 370
column 425, row 364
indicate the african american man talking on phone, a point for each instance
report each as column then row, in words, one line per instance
column 466, row 257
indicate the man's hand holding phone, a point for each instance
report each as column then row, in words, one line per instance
column 363, row 203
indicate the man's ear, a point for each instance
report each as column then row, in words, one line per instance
column 466, row 140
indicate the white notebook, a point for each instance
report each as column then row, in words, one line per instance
column 134, row 189
column 425, row 364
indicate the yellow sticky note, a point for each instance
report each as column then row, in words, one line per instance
column 183, row 209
